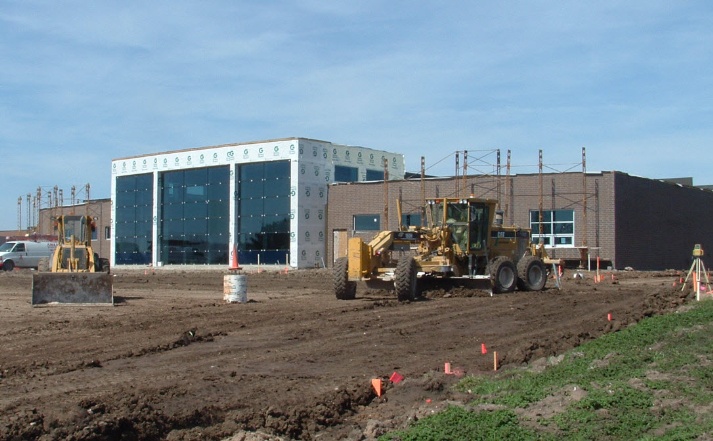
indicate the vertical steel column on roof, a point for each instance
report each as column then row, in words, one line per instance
column 465, row 173
column 509, row 193
column 540, row 217
column 423, row 191
column 497, row 182
column 385, row 221
column 457, row 181
column 584, row 196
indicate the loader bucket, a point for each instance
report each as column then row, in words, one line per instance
column 72, row 288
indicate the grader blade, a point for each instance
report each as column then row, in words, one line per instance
column 478, row 283
column 72, row 288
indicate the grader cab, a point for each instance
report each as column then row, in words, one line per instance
column 462, row 240
column 74, row 274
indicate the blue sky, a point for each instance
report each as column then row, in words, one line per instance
column 84, row 82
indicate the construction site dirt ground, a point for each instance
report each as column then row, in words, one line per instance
column 172, row 360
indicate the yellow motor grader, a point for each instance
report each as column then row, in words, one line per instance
column 462, row 240
column 74, row 274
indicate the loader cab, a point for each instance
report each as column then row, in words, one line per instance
column 74, row 253
column 74, row 226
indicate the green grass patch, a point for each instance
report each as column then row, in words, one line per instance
column 456, row 423
column 650, row 381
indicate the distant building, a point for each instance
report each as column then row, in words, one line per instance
column 266, row 199
column 623, row 220
column 99, row 209
column 7, row 235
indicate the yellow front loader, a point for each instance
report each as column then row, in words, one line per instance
column 74, row 274
column 462, row 241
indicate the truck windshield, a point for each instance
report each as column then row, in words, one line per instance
column 7, row 246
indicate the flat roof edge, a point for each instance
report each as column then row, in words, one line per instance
column 237, row 144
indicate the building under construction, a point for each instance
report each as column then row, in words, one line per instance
column 586, row 218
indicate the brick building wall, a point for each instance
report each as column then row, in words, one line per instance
column 519, row 194
column 630, row 221
column 658, row 223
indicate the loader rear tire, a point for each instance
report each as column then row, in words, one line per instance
column 405, row 279
column 503, row 275
column 343, row 288
column 101, row 265
column 532, row 274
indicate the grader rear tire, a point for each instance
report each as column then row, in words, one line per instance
column 343, row 288
column 405, row 279
column 503, row 275
column 532, row 274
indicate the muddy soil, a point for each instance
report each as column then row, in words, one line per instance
column 172, row 360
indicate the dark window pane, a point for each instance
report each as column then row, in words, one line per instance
column 564, row 215
column 367, row 222
column 172, row 211
column 195, row 209
column 250, row 207
column 248, row 188
column 196, row 182
column 374, row 175
column 278, row 187
column 411, row 219
column 218, row 176
column 278, row 223
column 277, row 170
column 345, row 174
column 196, row 226
column 255, row 172
column 250, row 224
column 564, row 228
column 125, row 184
column 279, row 205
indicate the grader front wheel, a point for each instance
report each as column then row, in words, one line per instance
column 343, row 288
column 405, row 279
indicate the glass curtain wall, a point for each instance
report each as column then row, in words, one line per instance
column 133, row 226
column 263, row 212
column 194, row 217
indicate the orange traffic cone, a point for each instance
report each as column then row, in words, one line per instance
column 234, row 265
